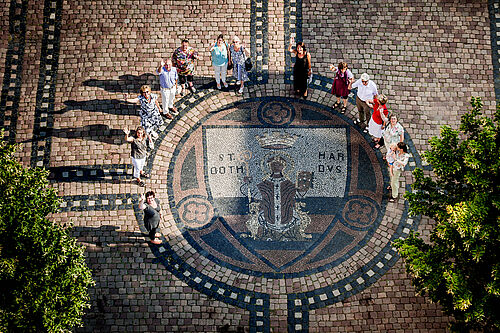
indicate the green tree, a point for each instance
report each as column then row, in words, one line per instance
column 43, row 274
column 460, row 268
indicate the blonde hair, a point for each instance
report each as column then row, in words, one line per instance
column 145, row 88
column 382, row 99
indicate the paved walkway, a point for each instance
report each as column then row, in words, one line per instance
column 308, row 250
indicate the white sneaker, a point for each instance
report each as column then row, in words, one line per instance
column 241, row 90
column 238, row 82
column 226, row 85
column 219, row 87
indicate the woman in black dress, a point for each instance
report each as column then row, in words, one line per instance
column 301, row 69
column 152, row 214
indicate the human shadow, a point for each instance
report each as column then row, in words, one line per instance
column 126, row 83
column 111, row 233
column 132, row 288
column 129, row 83
column 90, row 173
column 111, row 106
column 95, row 132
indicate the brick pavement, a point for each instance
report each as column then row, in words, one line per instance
column 67, row 67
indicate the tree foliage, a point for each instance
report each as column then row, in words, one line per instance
column 43, row 274
column 460, row 268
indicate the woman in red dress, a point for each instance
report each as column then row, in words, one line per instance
column 341, row 84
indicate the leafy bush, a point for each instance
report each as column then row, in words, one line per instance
column 460, row 268
column 43, row 274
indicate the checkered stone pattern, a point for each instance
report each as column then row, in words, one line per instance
column 259, row 40
column 44, row 108
column 13, row 48
column 494, row 9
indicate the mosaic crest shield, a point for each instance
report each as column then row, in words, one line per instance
column 277, row 187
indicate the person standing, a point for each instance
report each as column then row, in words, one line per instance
column 301, row 69
column 152, row 215
column 168, row 85
column 367, row 91
column 341, row 86
column 378, row 119
column 393, row 132
column 138, row 153
column 150, row 112
column 400, row 161
column 183, row 59
column 220, row 57
column 238, row 56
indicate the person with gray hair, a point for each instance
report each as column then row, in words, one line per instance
column 238, row 56
column 168, row 86
column 367, row 91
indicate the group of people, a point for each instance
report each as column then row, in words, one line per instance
column 373, row 115
column 382, row 126
column 176, row 75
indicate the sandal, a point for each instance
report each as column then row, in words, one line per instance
column 342, row 110
column 377, row 146
column 336, row 105
column 141, row 183
column 145, row 175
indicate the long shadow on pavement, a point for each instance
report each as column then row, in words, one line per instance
column 134, row 293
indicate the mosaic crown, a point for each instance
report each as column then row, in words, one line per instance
column 276, row 140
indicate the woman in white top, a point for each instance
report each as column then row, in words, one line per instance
column 393, row 132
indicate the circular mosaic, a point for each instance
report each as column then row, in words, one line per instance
column 276, row 187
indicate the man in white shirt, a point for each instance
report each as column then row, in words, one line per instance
column 367, row 91
column 168, row 85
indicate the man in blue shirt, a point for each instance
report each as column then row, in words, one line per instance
column 168, row 86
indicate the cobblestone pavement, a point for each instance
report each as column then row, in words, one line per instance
column 322, row 261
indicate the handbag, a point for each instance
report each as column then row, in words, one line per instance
column 248, row 64
column 310, row 78
column 229, row 61
column 248, row 61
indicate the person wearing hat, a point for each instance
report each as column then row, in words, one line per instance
column 367, row 91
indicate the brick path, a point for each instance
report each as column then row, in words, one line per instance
column 67, row 66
